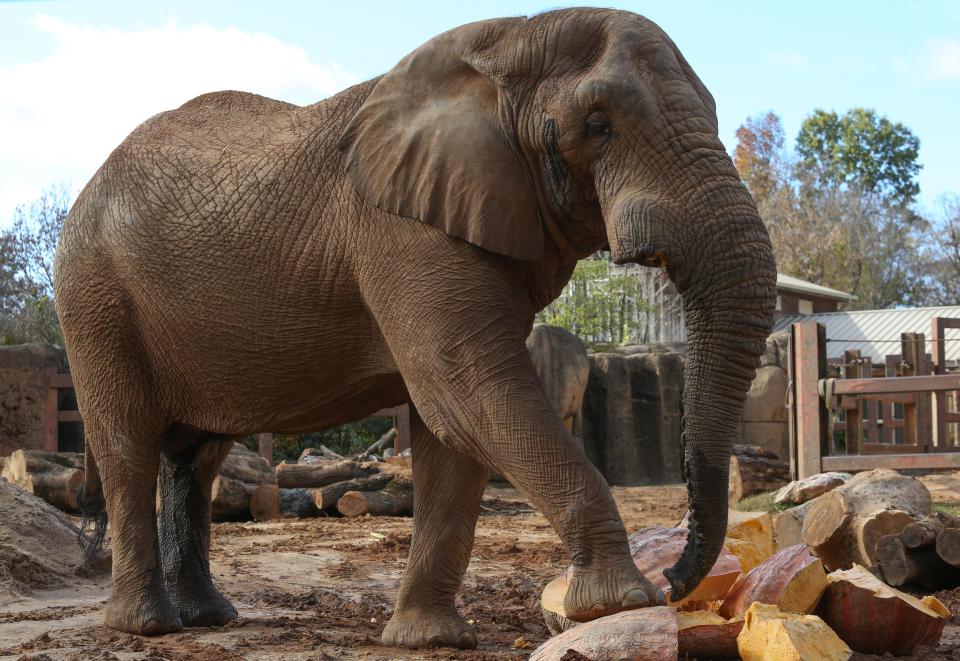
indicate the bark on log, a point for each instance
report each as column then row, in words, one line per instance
column 802, row 491
column 707, row 635
column 297, row 504
column 247, row 466
column 312, row 476
column 647, row 634
column 791, row 579
column 395, row 499
column 231, row 499
column 54, row 481
column 843, row 526
column 874, row 618
column 327, row 497
column 754, row 470
column 925, row 531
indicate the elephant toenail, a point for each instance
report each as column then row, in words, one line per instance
column 636, row 598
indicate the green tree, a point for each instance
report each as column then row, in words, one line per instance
column 860, row 148
column 26, row 269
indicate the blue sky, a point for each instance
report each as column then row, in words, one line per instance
column 76, row 77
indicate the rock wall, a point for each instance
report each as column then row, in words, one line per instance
column 764, row 420
column 631, row 415
column 23, row 391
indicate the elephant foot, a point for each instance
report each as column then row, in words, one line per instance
column 149, row 613
column 204, row 608
column 607, row 589
column 417, row 628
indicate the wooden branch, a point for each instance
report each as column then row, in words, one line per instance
column 327, row 497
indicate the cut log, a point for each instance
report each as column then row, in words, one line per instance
column 750, row 537
column 653, row 550
column 771, row 635
column 57, row 482
column 395, row 499
column 755, row 470
column 788, row 526
column 802, row 491
column 948, row 546
column 706, row 635
column 924, row 532
column 874, row 618
column 791, row 579
column 247, row 466
column 327, row 497
column 231, row 499
column 843, row 526
column 646, row 634
column 311, row 476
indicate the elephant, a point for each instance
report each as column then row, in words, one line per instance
column 560, row 360
column 241, row 265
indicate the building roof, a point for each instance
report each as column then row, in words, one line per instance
column 796, row 285
column 876, row 333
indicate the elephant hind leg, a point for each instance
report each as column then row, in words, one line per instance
column 448, row 487
column 128, row 458
column 186, row 480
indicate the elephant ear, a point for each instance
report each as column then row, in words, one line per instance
column 434, row 141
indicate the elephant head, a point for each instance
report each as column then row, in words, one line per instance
column 567, row 132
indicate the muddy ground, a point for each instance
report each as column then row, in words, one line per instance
column 323, row 589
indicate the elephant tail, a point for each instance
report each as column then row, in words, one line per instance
column 93, row 508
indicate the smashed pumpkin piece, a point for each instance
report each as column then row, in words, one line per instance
column 874, row 618
column 653, row 550
column 645, row 634
column 771, row 635
column 707, row 635
column 792, row 579
column 750, row 537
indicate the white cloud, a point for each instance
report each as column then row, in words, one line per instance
column 62, row 114
column 942, row 59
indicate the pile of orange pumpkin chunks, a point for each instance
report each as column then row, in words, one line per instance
column 813, row 591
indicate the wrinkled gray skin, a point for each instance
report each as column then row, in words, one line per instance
column 242, row 265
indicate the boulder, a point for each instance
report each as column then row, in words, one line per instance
column 560, row 359
column 766, row 399
column 631, row 417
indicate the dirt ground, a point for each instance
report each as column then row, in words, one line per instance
column 323, row 589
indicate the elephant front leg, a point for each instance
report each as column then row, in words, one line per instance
column 184, row 527
column 505, row 422
column 448, row 488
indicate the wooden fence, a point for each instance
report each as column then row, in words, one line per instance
column 854, row 414
column 52, row 417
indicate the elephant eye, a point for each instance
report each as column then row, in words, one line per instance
column 598, row 126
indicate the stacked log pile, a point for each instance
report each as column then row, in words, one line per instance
column 55, row 477
column 242, row 472
column 784, row 604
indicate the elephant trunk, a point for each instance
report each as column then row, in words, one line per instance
column 729, row 300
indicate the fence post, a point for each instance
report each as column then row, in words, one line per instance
column 939, row 412
column 854, row 429
column 916, row 415
column 265, row 446
column 809, row 339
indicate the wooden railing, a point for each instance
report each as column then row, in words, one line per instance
column 852, row 402
column 52, row 416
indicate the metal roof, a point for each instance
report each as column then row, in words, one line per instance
column 876, row 333
column 789, row 283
